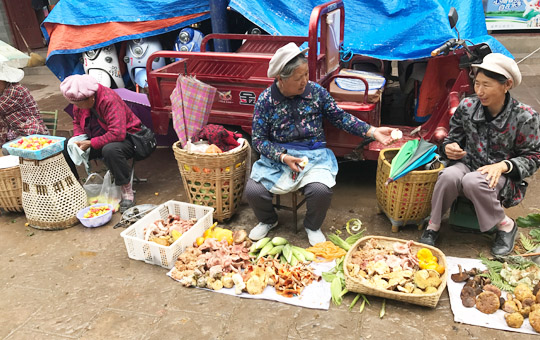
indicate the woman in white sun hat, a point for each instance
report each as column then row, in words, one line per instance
column 288, row 133
column 19, row 114
column 493, row 145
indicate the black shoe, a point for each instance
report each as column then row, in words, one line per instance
column 429, row 237
column 504, row 242
column 125, row 205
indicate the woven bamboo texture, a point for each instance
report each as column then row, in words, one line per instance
column 407, row 200
column 214, row 180
column 354, row 284
column 51, row 195
column 11, row 189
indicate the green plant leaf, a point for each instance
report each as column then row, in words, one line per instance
column 535, row 234
column 529, row 221
column 526, row 242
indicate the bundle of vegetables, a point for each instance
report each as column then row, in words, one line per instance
column 278, row 247
column 166, row 232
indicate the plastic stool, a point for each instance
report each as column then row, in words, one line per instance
column 463, row 216
column 294, row 207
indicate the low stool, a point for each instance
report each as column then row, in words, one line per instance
column 294, row 206
column 463, row 216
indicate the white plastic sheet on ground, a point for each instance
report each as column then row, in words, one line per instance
column 473, row 316
column 317, row 295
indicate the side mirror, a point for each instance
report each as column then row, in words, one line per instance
column 452, row 17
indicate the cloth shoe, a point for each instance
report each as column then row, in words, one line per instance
column 315, row 236
column 126, row 204
column 429, row 237
column 504, row 242
column 261, row 230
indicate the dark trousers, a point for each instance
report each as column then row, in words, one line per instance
column 318, row 197
column 115, row 155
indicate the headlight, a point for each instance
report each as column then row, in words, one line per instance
column 108, row 59
column 255, row 30
column 92, row 54
column 184, row 37
column 184, row 49
column 126, row 59
column 138, row 51
column 137, row 41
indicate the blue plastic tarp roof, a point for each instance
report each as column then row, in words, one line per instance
column 384, row 29
column 132, row 13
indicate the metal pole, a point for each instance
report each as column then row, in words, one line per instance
column 218, row 16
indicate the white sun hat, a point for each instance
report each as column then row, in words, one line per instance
column 282, row 57
column 501, row 64
column 10, row 74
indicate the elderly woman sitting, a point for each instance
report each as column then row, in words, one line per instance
column 19, row 114
column 288, row 132
column 492, row 145
column 103, row 117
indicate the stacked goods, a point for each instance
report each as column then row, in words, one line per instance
column 278, row 246
column 389, row 267
column 166, row 232
column 217, row 264
column 484, row 293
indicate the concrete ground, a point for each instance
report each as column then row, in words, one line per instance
column 79, row 283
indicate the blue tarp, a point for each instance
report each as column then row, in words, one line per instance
column 384, row 29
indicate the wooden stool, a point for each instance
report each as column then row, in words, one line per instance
column 294, row 206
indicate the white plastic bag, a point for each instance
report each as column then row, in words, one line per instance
column 108, row 192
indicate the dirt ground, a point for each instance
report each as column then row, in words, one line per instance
column 79, row 283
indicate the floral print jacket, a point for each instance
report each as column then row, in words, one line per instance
column 278, row 119
column 512, row 135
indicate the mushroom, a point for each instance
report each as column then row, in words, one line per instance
column 239, row 284
column 427, row 278
column 534, row 320
column 514, row 320
column 461, row 276
column 468, row 297
column 487, row 302
column 492, row 288
column 239, row 236
column 536, row 289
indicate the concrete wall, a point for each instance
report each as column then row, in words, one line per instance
column 5, row 30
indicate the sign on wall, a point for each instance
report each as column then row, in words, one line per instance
column 512, row 14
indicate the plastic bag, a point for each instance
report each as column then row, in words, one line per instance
column 103, row 190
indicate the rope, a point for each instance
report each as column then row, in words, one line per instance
column 530, row 54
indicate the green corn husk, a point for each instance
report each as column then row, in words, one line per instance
column 338, row 241
column 354, row 301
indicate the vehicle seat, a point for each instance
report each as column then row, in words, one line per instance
column 352, row 90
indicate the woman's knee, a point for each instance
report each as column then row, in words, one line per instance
column 449, row 177
column 255, row 190
column 472, row 181
column 318, row 190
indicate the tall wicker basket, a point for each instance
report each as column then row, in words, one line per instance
column 11, row 189
column 407, row 200
column 51, row 196
column 214, row 180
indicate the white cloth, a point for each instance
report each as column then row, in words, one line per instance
column 473, row 316
column 76, row 154
column 317, row 295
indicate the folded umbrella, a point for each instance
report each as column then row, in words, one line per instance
column 399, row 162
column 424, row 153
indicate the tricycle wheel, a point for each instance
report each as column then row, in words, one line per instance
column 395, row 228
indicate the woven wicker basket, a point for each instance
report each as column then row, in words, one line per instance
column 11, row 189
column 51, row 196
column 214, row 180
column 354, row 284
column 407, row 200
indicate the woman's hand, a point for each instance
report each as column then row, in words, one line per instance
column 493, row 172
column 84, row 144
column 454, row 151
column 293, row 162
column 382, row 134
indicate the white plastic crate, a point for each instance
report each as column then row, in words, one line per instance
column 153, row 253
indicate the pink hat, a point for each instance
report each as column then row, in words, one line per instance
column 79, row 87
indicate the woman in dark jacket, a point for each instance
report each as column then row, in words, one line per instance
column 493, row 145
column 100, row 114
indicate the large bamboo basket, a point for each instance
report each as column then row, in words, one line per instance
column 407, row 200
column 354, row 284
column 51, row 194
column 11, row 189
column 214, row 180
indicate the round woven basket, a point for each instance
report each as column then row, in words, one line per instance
column 214, row 180
column 11, row 189
column 408, row 199
column 51, row 195
column 354, row 284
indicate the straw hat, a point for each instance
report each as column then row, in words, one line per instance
column 10, row 74
column 282, row 57
column 501, row 64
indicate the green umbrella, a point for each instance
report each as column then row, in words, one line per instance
column 399, row 162
column 422, row 154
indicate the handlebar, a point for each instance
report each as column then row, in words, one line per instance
column 444, row 48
